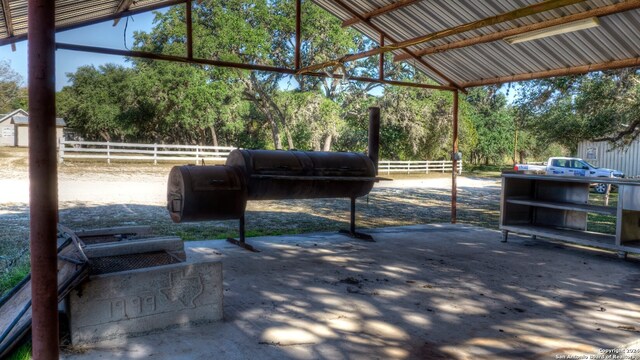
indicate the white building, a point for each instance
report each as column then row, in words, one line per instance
column 14, row 129
column 603, row 154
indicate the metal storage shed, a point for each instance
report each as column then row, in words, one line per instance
column 14, row 129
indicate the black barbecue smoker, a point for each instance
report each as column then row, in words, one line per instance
column 202, row 193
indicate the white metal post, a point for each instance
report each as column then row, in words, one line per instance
column 61, row 152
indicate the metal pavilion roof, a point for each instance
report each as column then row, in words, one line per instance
column 617, row 39
column 615, row 43
column 70, row 14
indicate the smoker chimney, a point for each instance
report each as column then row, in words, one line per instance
column 374, row 135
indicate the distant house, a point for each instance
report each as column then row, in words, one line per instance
column 14, row 129
column 604, row 154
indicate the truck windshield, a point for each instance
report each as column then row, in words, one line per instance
column 590, row 165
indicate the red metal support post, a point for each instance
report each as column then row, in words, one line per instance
column 381, row 64
column 454, row 165
column 43, row 193
column 189, row 21
column 298, row 34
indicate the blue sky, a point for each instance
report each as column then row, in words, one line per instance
column 103, row 34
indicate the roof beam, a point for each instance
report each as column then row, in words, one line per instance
column 250, row 67
column 599, row 12
column 574, row 70
column 8, row 21
column 124, row 6
column 540, row 7
column 384, row 34
column 381, row 11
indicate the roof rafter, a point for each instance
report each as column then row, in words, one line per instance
column 380, row 11
column 124, row 6
column 602, row 11
column 540, row 7
column 8, row 20
column 384, row 34
column 574, row 70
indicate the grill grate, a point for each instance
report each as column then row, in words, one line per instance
column 111, row 264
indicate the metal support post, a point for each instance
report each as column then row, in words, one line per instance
column 297, row 63
column 454, row 173
column 189, row 22
column 241, row 241
column 43, row 203
column 352, row 226
column 374, row 136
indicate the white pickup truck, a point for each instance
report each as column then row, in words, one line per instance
column 572, row 167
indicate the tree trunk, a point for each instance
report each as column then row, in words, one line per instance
column 327, row 143
column 521, row 155
column 214, row 136
column 289, row 138
column 203, row 137
column 275, row 131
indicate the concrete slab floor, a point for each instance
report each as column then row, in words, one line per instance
column 421, row 292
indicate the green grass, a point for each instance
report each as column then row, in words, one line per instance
column 23, row 352
column 14, row 276
column 207, row 234
column 490, row 171
column 602, row 223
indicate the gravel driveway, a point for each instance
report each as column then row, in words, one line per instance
column 93, row 196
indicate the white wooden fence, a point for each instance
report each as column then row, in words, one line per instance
column 414, row 167
column 111, row 151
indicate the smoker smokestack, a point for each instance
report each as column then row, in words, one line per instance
column 374, row 135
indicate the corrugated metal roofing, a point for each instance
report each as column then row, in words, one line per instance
column 618, row 37
column 24, row 120
column 68, row 13
column 604, row 154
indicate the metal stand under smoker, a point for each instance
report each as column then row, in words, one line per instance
column 351, row 232
column 241, row 241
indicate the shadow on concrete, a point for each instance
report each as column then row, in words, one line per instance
column 423, row 292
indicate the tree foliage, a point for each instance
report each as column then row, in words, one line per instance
column 598, row 106
column 165, row 102
column 12, row 94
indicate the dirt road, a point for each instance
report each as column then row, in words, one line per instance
column 93, row 195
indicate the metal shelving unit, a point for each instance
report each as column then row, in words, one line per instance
column 557, row 207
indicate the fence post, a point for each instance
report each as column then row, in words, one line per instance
column 197, row 154
column 155, row 154
column 108, row 153
column 443, row 163
column 460, row 167
column 61, row 152
column 427, row 166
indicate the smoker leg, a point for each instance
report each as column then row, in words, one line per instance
column 352, row 226
column 505, row 235
column 242, row 243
